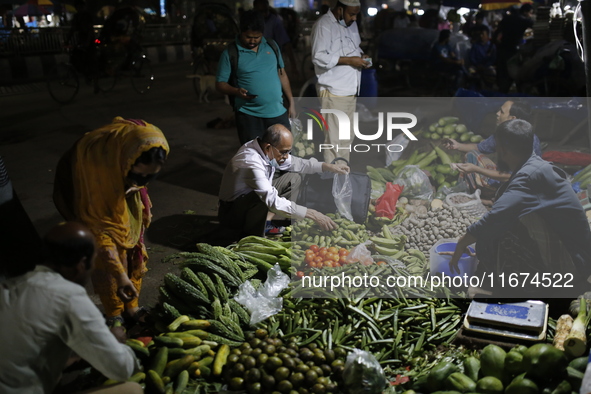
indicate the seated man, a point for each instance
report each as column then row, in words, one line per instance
column 47, row 315
column 248, row 191
column 537, row 225
column 479, row 171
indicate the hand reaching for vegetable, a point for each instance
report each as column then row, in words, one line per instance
column 464, row 168
column 450, row 144
column 322, row 220
column 336, row 168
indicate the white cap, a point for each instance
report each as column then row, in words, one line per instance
column 351, row 3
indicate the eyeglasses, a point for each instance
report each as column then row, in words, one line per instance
column 284, row 153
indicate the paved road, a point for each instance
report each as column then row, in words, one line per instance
column 35, row 131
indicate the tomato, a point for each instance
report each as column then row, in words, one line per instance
column 333, row 249
column 343, row 252
column 300, row 274
column 318, row 259
column 381, row 263
column 314, row 248
column 322, row 252
column 343, row 259
column 327, row 263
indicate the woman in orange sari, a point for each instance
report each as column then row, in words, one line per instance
column 101, row 181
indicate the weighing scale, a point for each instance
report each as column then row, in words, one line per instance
column 527, row 321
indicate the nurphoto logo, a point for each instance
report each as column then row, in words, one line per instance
column 392, row 120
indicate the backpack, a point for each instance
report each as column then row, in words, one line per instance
column 234, row 53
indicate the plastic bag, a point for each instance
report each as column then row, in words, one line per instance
column 469, row 203
column 401, row 140
column 296, row 128
column 363, row 373
column 342, row 191
column 361, row 254
column 416, row 184
column 386, row 204
column 460, row 187
column 263, row 303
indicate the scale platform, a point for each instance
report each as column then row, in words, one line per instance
column 521, row 320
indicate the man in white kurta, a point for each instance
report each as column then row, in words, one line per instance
column 338, row 61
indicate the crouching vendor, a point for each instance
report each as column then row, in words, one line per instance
column 537, row 229
column 249, row 190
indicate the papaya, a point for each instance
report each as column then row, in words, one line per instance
column 520, row 348
column 438, row 374
column 460, row 382
column 472, row 368
column 492, row 361
column 575, row 378
column 522, row 385
column 489, row 385
column 449, row 129
column 420, row 384
column 461, row 128
column 544, row 362
column 579, row 363
column 447, row 392
column 563, row 387
column 514, row 363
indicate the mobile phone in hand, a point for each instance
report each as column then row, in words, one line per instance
column 252, row 96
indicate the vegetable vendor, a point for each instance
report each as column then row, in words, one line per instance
column 47, row 315
column 536, row 225
column 249, row 190
column 479, row 171
column 101, row 182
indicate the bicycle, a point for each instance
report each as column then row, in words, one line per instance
column 63, row 81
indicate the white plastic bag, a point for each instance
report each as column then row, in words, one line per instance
column 397, row 146
column 363, row 374
column 416, row 184
column 263, row 303
column 469, row 203
column 296, row 128
column 360, row 254
column 342, row 191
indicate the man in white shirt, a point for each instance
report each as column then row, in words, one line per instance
column 46, row 315
column 338, row 61
column 248, row 191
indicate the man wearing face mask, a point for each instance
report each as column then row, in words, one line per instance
column 248, row 191
column 536, row 225
column 338, row 61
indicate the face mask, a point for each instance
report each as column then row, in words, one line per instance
column 274, row 163
column 140, row 180
column 342, row 21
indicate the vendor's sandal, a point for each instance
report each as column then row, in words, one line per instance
column 115, row 321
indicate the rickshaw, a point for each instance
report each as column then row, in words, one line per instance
column 118, row 54
column 214, row 27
